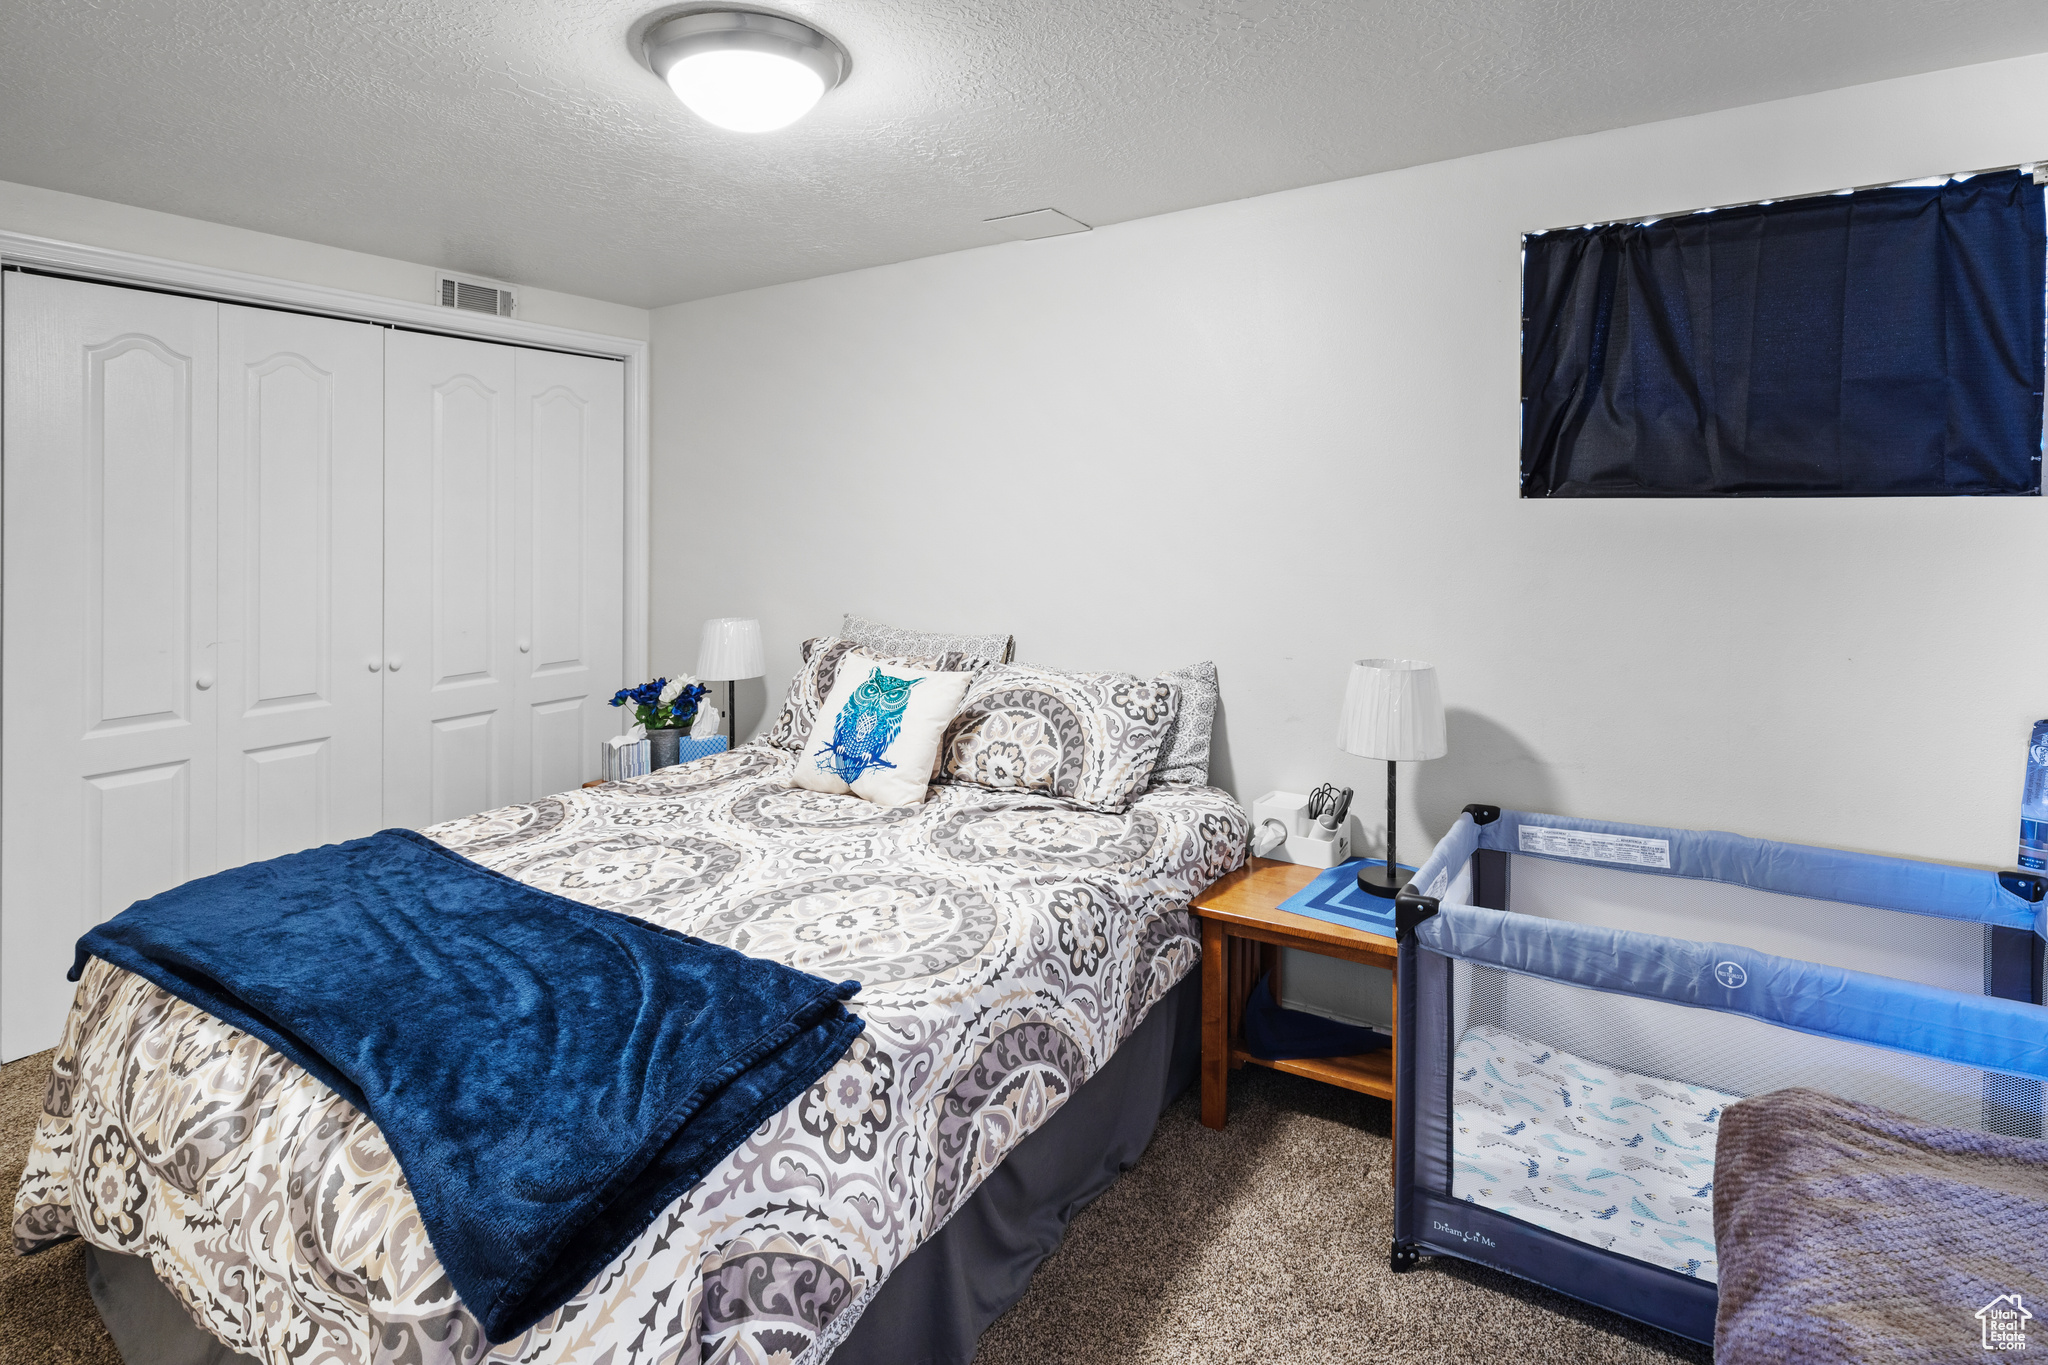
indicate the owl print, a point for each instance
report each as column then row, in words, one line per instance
column 866, row 727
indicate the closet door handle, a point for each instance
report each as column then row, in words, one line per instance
column 375, row 665
column 395, row 662
column 203, row 681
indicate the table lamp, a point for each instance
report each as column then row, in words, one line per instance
column 730, row 649
column 1392, row 710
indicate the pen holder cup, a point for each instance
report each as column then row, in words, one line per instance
column 1321, row 847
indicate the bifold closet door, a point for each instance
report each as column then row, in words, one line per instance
column 107, row 672
column 504, row 572
column 448, row 578
column 569, row 435
column 274, row 581
column 301, row 625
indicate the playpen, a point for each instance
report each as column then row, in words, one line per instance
column 1580, row 1000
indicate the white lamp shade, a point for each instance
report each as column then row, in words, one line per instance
column 730, row 649
column 1392, row 710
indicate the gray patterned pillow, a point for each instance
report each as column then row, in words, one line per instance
column 1186, row 755
column 820, row 669
column 873, row 636
column 1092, row 738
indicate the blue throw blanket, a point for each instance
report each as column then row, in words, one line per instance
column 550, row 1076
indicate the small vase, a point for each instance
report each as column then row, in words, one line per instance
column 662, row 746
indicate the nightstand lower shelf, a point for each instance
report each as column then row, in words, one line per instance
column 1369, row 1073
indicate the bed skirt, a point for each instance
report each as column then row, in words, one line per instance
column 934, row 1308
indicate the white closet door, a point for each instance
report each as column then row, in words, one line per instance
column 453, row 741
column 570, row 436
column 302, row 582
column 106, row 671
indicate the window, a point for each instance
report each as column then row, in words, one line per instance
column 1883, row 342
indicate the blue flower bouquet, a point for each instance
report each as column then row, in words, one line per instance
column 664, row 704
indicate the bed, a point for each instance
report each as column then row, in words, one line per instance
column 1583, row 1004
column 1007, row 943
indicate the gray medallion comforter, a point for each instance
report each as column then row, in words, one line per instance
column 1005, row 944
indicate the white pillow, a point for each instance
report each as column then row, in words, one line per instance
column 877, row 735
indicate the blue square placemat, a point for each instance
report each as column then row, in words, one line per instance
column 1334, row 897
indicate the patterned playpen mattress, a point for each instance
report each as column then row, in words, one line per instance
column 1601, row 1155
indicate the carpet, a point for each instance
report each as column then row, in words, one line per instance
column 1265, row 1242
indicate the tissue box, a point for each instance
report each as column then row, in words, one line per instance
column 617, row 761
column 687, row 748
column 621, row 760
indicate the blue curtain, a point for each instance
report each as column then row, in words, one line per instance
column 1881, row 343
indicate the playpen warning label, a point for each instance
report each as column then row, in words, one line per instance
column 1598, row 848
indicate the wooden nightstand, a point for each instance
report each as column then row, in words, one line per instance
column 1243, row 931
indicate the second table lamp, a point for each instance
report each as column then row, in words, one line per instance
column 1393, row 711
column 730, row 649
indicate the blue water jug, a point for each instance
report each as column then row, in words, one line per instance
column 2034, row 803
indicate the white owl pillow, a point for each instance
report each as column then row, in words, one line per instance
column 877, row 734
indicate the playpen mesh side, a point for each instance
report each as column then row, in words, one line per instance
column 1732, row 1053
column 1956, row 955
column 1686, row 1061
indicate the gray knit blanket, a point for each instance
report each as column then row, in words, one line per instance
column 1847, row 1232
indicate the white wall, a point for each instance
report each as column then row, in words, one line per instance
column 122, row 227
column 1282, row 433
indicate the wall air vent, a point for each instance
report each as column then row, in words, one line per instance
column 474, row 295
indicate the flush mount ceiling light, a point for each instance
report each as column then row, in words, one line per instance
column 743, row 70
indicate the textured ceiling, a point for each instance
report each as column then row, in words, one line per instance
column 521, row 139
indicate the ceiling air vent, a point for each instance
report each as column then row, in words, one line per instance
column 1029, row 227
column 473, row 295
